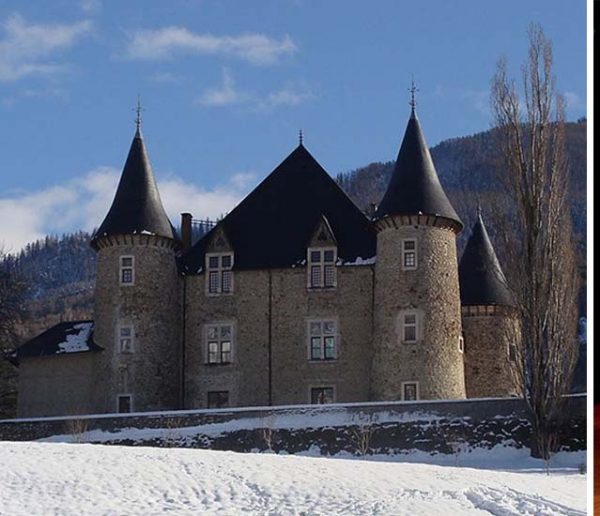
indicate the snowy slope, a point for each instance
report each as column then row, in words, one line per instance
column 70, row 479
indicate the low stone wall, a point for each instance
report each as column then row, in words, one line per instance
column 359, row 428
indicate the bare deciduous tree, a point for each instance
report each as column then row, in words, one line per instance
column 534, row 225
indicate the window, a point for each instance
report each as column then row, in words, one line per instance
column 321, row 395
column 124, row 403
column 125, row 339
column 409, row 254
column 219, row 274
column 126, row 270
column 461, row 344
column 512, row 352
column 322, row 340
column 219, row 339
column 321, row 268
column 410, row 391
column 410, row 327
column 218, row 399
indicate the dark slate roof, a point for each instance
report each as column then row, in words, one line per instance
column 63, row 338
column 273, row 225
column 414, row 186
column 137, row 207
column 481, row 279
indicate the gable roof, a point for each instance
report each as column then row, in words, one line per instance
column 137, row 207
column 481, row 279
column 272, row 226
column 414, row 186
column 62, row 338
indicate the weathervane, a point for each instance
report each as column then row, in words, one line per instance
column 413, row 90
column 138, row 111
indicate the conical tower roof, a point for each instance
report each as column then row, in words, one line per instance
column 415, row 187
column 137, row 207
column 481, row 279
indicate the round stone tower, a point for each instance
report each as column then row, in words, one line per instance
column 489, row 320
column 417, row 325
column 138, row 297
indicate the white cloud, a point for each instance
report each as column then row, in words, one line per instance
column 165, row 43
column 25, row 48
column 90, row 6
column 227, row 94
column 83, row 203
column 573, row 100
column 165, row 78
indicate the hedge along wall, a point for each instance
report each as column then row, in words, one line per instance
column 361, row 428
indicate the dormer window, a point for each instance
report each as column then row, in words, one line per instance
column 321, row 267
column 126, row 270
column 219, row 274
column 409, row 254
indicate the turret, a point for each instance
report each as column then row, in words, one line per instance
column 417, row 336
column 489, row 320
column 137, row 299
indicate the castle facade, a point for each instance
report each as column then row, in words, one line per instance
column 295, row 297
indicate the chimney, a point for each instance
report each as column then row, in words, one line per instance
column 186, row 230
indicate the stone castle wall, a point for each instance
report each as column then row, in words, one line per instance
column 270, row 313
column 435, row 361
column 152, row 305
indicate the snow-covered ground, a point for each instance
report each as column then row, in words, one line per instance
column 81, row 479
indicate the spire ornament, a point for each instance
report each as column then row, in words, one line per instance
column 138, row 114
column 300, row 138
column 413, row 101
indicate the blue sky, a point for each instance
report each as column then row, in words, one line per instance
column 226, row 85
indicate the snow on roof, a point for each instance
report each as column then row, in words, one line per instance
column 78, row 341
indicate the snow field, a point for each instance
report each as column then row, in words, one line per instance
column 71, row 479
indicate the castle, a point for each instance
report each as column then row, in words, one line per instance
column 295, row 297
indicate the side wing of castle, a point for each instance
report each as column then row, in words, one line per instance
column 295, row 297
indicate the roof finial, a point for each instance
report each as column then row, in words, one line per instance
column 138, row 111
column 300, row 137
column 413, row 101
column 478, row 208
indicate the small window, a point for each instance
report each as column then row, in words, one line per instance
column 410, row 327
column 321, row 268
column 124, row 403
column 321, row 395
column 219, row 273
column 126, row 270
column 409, row 254
column 322, row 340
column 126, row 339
column 461, row 344
column 219, row 338
column 512, row 352
column 410, row 391
column 218, row 399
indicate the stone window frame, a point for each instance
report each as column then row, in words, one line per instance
column 124, row 268
column 228, row 403
column 322, row 335
column 120, row 339
column 409, row 255
column 410, row 382
column 222, row 272
column 461, row 344
column 219, row 340
column 322, row 386
column 417, row 326
column 118, row 399
column 322, row 267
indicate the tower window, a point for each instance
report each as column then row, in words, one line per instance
column 461, row 344
column 124, row 403
column 219, row 340
column 321, row 268
column 125, row 339
column 126, row 270
column 219, row 274
column 322, row 340
column 409, row 254
column 410, row 391
column 410, row 326
column 218, row 399
column 512, row 352
column 321, row 395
